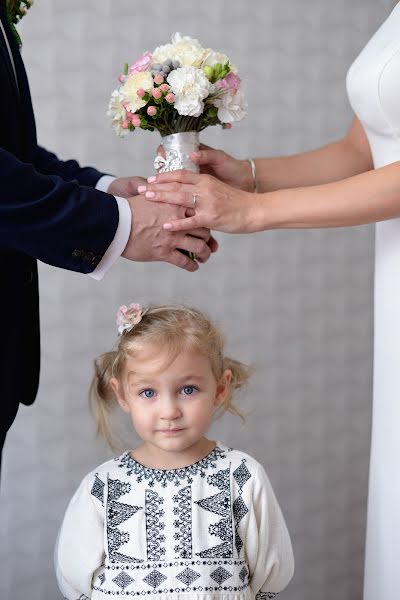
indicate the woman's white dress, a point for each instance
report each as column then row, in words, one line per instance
column 373, row 84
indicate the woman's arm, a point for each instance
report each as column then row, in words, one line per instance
column 349, row 156
column 339, row 160
column 365, row 198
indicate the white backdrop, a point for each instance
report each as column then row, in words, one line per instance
column 298, row 305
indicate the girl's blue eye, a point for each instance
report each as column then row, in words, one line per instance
column 188, row 389
column 148, row 393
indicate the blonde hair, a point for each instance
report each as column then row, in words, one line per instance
column 172, row 329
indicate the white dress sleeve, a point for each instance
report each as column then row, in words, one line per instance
column 79, row 550
column 268, row 548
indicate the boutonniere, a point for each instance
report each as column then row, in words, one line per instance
column 16, row 9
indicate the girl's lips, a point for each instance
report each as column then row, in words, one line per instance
column 176, row 430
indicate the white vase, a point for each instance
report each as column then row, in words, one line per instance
column 178, row 147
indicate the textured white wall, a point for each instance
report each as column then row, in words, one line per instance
column 296, row 304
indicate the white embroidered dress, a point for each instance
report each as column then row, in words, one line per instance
column 212, row 530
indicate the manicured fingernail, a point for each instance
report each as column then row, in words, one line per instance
column 151, row 179
column 150, row 194
column 167, row 226
column 141, row 188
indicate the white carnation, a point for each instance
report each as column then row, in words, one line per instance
column 211, row 58
column 185, row 49
column 138, row 80
column 190, row 87
column 231, row 106
column 117, row 113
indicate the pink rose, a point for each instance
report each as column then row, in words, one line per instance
column 230, row 82
column 142, row 64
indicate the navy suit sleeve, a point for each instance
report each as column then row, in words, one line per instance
column 58, row 222
column 49, row 164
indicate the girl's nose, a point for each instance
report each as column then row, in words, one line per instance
column 170, row 410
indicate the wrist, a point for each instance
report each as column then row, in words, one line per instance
column 262, row 213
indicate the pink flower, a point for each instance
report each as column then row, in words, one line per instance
column 230, row 82
column 170, row 97
column 164, row 87
column 140, row 92
column 135, row 119
column 142, row 64
column 152, row 111
column 124, row 124
column 156, row 93
column 127, row 318
column 158, row 79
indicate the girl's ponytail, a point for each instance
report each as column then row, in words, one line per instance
column 240, row 376
column 102, row 397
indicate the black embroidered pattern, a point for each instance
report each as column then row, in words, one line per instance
column 154, row 526
column 265, row 595
column 98, row 489
column 175, row 476
column 241, row 475
column 117, row 488
column 116, row 514
column 222, row 551
column 161, row 578
column 219, row 504
column 102, row 579
column 155, row 578
column 123, row 580
column 183, row 525
column 188, row 576
column 222, row 529
column 220, row 575
column 239, row 509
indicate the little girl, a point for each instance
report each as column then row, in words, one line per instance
column 180, row 517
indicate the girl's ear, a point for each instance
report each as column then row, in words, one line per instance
column 119, row 394
column 223, row 387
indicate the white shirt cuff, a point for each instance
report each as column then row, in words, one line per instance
column 104, row 182
column 119, row 242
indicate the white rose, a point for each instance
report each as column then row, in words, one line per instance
column 185, row 49
column 138, row 80
column 211, row 58
column 231, row 107
column 117, row 113
column 190, row 87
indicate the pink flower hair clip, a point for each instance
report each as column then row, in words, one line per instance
column 127, row 318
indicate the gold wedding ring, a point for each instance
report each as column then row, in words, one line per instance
column 194, row 197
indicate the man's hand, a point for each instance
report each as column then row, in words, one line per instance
column 125, row 187
column 149, row 241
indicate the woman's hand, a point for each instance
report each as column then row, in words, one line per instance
column 209, row 202
column 221, row 165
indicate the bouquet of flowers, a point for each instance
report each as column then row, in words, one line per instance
column 179, row 89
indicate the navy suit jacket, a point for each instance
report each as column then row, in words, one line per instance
column 49, row 210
